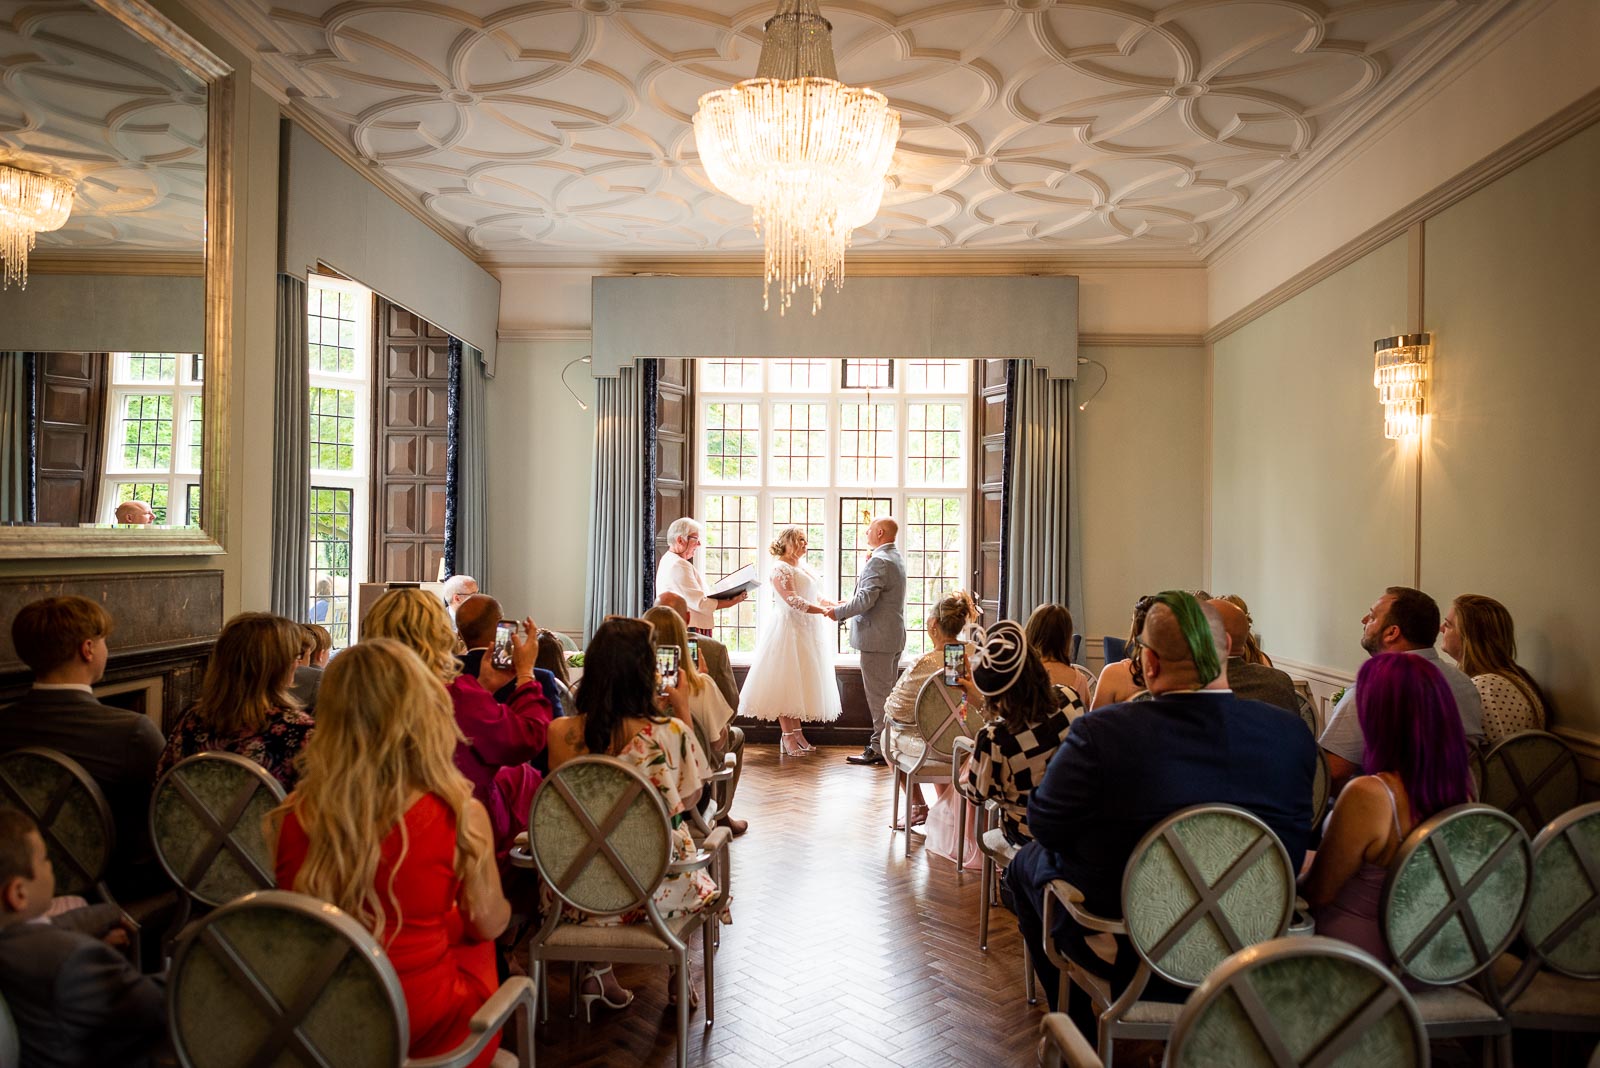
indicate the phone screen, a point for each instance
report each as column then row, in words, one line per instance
column 667, row 664
column 694, row 651
column 500, row 656
column 954, row 659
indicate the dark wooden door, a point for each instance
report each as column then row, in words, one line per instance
column 411, row 450
column 674, row 488
column 988, row 532
column 71, row 393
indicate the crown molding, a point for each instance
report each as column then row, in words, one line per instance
column 860, row 265
column 156, row 264
column 1142, row 341
column 1578, row 115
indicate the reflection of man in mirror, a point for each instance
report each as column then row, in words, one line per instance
column 135, row 514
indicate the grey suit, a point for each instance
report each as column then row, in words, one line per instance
column 720, row 668
column 1257, row 682
column 877, row 615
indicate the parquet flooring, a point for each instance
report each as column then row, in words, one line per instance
column 842, row 951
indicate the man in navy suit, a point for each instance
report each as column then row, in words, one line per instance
column 1125, row 767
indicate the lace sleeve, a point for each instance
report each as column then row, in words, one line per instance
column 783, row 582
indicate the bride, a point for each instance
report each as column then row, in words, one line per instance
column 791, row 675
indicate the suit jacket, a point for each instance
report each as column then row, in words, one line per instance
column 76, row 1001
column 306, row 681
column 877, row 611
column 1257, row 682
column 1125, row 767
column 720, row 668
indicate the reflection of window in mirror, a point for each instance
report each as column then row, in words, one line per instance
column 339, row 336
column 153, row 438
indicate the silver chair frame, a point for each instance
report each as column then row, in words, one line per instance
column 932, row 763
column 220, row 826
column 1498, row 766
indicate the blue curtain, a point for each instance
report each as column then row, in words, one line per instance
column 1041, row 555
column 615, row 580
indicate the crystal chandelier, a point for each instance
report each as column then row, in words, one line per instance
column 1400, row 371
column 29, row 204
column 807, row 153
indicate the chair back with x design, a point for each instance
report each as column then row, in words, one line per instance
column 1306, row 707
column 1299, row 1003
column 1202, row 884
column 282, row 978
column 1321, row 787
column 1533, row 776
column 73, row 817
column 1456, row 893
column 600, row 835
column 1563, row 922
column 939, row 718
column 206, row 820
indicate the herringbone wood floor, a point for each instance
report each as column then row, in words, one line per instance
column 842, row 950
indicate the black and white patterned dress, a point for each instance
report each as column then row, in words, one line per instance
column 1005, row 767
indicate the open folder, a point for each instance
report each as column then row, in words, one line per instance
column 736, row 583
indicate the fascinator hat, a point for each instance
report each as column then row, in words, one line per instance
column 1002, row 652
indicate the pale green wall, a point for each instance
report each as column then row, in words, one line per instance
column 1510, row 477
column 1312, row 510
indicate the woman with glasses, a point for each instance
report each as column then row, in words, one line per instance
column 1123, row 680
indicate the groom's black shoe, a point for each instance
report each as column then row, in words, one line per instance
column 868, row 755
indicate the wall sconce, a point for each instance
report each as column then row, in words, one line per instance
column 581, row 359
column 1401, row 367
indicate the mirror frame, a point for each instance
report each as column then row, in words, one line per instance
column 148, row 24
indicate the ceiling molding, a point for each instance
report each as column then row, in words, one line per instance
column 1582, row 113
column 1141, row 341
column 175, row 265
column 860, row 265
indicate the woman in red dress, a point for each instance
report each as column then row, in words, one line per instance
column 384, row 826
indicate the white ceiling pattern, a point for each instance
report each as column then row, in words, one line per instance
column 1047, row 124
column 81, row 97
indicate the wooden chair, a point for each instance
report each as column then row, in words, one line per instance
column 206, row 821
column 1201, row 885
column 927, row 755
column 282, row 978
column 1557, row 986
column 1533, row 776
column 600, row 837
column 1452, row 904
column 1287, row 1003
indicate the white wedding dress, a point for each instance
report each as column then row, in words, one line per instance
column 791, row 672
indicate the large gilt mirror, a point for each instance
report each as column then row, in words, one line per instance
column 114, row 327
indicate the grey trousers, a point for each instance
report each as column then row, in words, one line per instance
column 879, row 672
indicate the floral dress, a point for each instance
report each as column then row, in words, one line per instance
column 667, row 754
column 274, row 747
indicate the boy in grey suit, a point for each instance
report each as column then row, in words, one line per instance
column 877, row 614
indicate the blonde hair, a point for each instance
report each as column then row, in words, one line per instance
column 780, row 543
column 248, row 674
column 668, row 629
column 952, row 614
column 1489, row 644
column 385, row 732
column 417, row 620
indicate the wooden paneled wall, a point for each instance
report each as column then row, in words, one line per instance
column 988, row 532
column 71, row 402
column 411, row 448
column 674, row 488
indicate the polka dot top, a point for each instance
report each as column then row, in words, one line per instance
column 1506, row 709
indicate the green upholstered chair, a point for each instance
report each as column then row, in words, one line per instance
column 1556, row 987
column 1287, row 1003
column 280, row 978
column 1452, row 904
column 73, row 817
column 207, row 823
column 1533, row 776
column 1201, row 885
column 926, row 754
column 600, row 837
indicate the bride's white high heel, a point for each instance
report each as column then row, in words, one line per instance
column 787, row 746
column 805, row 744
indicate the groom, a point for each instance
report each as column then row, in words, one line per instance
column 878, row 627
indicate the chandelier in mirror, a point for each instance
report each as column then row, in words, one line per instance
column 30, row 204
column 1400, row 372
column 807, row 153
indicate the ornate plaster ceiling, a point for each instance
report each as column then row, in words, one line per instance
column 81, row 97
column 1051, row 125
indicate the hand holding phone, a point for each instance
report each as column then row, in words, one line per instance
column 667, row 665
column 955, row 663
column 500, row 656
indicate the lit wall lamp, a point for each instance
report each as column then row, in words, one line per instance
column 1401, row 368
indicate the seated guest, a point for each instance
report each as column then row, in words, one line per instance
column 1249, row 679
column 76, row 1001
column 1416, row 765
column 708, row 709
column 457, row 588
column 1049, row 632
column 477, row 617
column 1403, row 620
column 1124, row 768
column 618, row 716
column 316, row 644
column 1029, row 719
column 552, row 660
column 498, row 739
column 245, row 706
column 1252, row 649
column 720, row 669
column 1123, row 680
column 385, row 827
column 1478, row 634
column 63, row 640
column 946, row 622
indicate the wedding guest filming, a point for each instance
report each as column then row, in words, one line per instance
column 713, row 652
column 245, row 704
column 477, row 618
column 677, row 573
column 1479, row 635
column 385, row 826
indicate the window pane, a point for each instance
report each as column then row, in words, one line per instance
column 196, row 434
column 730, row 376
column 800, row 443
column 733, row 442
column 333, row 429
column 931, row 540
column 808, row 513
column 798, row 375
column 731, row 531
column 855, row 515
column 933, row 444
column 145, row 431
column 868, row 374
column 152, row 493
column 331, row 331
column 866, row 444
column 331, row 544
column 192, row 506
column 937, row 376
column 151, row 367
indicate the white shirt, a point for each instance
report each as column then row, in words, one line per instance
column 676, row 575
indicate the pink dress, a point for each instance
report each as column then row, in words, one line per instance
column 1352, row 915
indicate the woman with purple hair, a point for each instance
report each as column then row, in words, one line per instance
column 1415, row 765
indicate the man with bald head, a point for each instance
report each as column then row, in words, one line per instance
column 1255, row 682
column 477, row 615
column 135, row 514
column 877, row 614
column 1125, row 767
